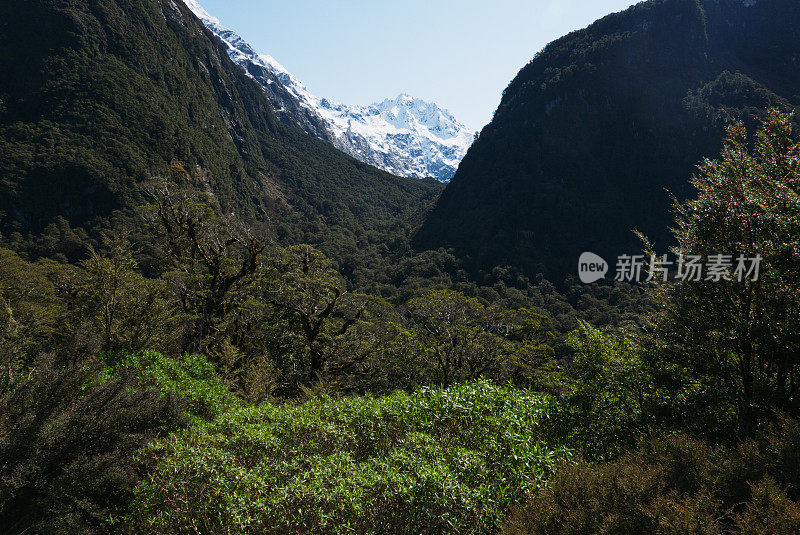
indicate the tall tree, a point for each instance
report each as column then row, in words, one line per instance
column 740, row 337
column 312, row 299
column 212, row 256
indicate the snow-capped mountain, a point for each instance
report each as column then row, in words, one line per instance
column 405, row 136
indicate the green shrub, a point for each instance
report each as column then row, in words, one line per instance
column 191, row 377
column 611, row 394
column 437, row 461
column 68, row 438
column 680, row 485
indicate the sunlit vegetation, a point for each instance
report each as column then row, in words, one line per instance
column 439, row 460
column 212, row 328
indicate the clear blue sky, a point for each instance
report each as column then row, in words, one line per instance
column 458, row 54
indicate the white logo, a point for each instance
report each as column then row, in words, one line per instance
column 591, row 268
column 690, row 268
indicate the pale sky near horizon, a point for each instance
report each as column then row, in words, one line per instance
column 361, row 51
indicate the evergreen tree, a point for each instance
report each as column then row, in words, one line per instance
column 740, row 337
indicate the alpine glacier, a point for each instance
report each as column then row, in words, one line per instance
column 404, row 136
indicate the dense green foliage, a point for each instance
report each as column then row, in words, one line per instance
column 600, row 123
column 67, row 442
column 439, row 460
column 250, row 344
column 191, row 377
column 678, row 486
column 612, row 396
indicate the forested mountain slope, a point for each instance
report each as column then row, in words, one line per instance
column 98, row 96
column 592, row 133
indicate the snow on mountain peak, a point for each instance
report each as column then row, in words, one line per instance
column 200, row 12
column 406, row 136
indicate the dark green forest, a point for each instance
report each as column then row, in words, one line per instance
column 597, row 134
column 119, row 92
column 212, row 323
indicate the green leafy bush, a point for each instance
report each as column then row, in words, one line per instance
column 68, row 437
column 679, row 485
column 437, row 461
column 191, row 377
column 611, row 395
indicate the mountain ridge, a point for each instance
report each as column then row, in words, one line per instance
column 429, row 142
column 100, row 97
column 600, row 128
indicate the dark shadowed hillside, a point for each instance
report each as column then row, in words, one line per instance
column 600, row 124
column 97, row 96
